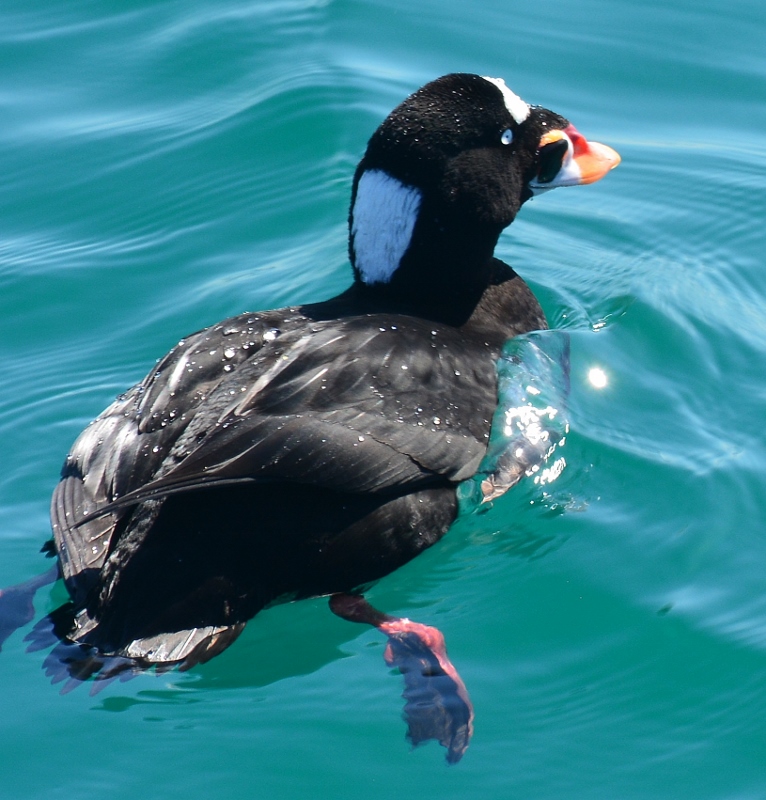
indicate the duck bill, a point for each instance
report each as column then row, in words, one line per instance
column 567, row 158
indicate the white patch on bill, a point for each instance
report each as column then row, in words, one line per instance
column 570, row 173
column 518, row 109
column 382, row 221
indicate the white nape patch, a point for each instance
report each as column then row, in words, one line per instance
column 382, row 221
column 518, row 109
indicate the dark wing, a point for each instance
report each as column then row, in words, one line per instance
column 275, row 396
column 357, row 405
column 130, row 443
column 349, row 405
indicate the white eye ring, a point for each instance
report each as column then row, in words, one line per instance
column 507, row 136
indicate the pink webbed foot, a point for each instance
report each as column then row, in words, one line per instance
column 437, row 704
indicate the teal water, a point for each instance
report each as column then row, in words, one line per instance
column 169, row 164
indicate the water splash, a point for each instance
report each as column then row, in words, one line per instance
column 530, row 422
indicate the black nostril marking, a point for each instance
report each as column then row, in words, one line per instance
column 550, row 160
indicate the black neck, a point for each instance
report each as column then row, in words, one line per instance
column 443, row 274
column 502, row 308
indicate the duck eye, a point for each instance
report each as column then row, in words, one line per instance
column 507, row 136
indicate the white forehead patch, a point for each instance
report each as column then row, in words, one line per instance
column 382, row 220
column 518, row 109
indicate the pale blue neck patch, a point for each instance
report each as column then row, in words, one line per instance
column 382, row 220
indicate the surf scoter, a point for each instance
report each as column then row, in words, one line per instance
column 312, row 450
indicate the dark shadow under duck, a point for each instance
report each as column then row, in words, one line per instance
column 312, row 450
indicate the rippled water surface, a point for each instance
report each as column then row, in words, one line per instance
column 169, row 164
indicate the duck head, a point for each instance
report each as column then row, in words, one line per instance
column 447, row 171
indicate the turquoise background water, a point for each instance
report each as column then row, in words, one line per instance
column 166, row 164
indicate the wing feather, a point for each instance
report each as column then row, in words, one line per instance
column 341, row 404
